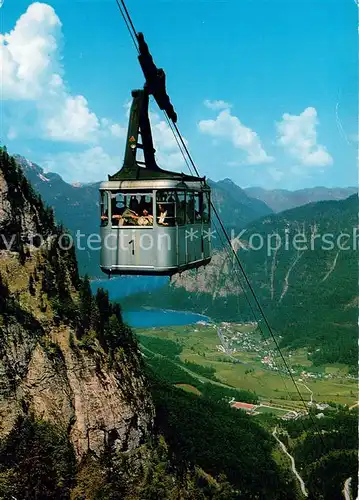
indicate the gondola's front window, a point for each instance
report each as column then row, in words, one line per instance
column 180, row 207
column 104, row 208
column 166, row 208
column 194, row 207
column 131, row 209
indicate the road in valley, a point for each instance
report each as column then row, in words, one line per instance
column 295, row 472
column 346, row 490
column 311, row 392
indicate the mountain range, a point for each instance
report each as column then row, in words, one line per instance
column 282, row 199
column 302, row 264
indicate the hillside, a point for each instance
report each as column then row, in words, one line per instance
column 236, row 208
column 77, row 206
column 56, row 360
column 283, row 199
column 309, row 295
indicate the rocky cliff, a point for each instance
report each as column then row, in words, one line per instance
column 44, row 368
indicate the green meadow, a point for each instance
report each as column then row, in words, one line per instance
column 196, row 350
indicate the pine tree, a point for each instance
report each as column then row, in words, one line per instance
column 104, row 310
column 43, row 306
column 32, row 288
column 86, row 305
column 4, row 294
column 48, row 283
column 116, row 309
column 112, row 333
column 22, row 254
column 103, row 304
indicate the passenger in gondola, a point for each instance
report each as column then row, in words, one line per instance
column 181, row 213
column 190, row 210
column 128, row 218
column 134, row 204
column 162, row 216
column 146, row 219
column 118, row 209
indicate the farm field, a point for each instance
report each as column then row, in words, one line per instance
column 189, row 388
column 276, row 411
column 200, row 345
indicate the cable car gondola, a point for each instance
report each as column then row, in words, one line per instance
column 153, row 221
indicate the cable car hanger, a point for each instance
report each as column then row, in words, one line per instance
column 145, row 203
column 139, row 124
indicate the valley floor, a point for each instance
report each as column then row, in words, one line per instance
column 239, row 358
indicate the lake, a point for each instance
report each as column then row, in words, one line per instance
column 145, row 317
column 149, row 318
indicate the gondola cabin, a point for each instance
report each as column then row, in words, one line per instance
column 153, row 221
column 154, row 226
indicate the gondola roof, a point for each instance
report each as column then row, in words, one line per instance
column 148, row 174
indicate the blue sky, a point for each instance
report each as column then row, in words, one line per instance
column 265, row 90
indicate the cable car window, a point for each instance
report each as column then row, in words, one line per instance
column 131, row 209
column 197, row 207
column 166, row 208
column 181, row 208
column 190, row 208
column 206, row 216
column 104, row 208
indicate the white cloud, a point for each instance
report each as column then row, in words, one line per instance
column 127, row 107
column 168, row 155
column 354, row 137
column 73, row 122
column 275, row 173
column 27, row 54
column 12, row 133
column 90, row 165
column 32, row 72
column 297, row 134
column 217, row 105
column 118, row 131
column 230, row 127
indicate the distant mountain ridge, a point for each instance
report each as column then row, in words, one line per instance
column 234, row 205
column 283, row 199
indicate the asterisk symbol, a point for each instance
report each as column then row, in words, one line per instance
column 208, row 235
column 191, row 234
